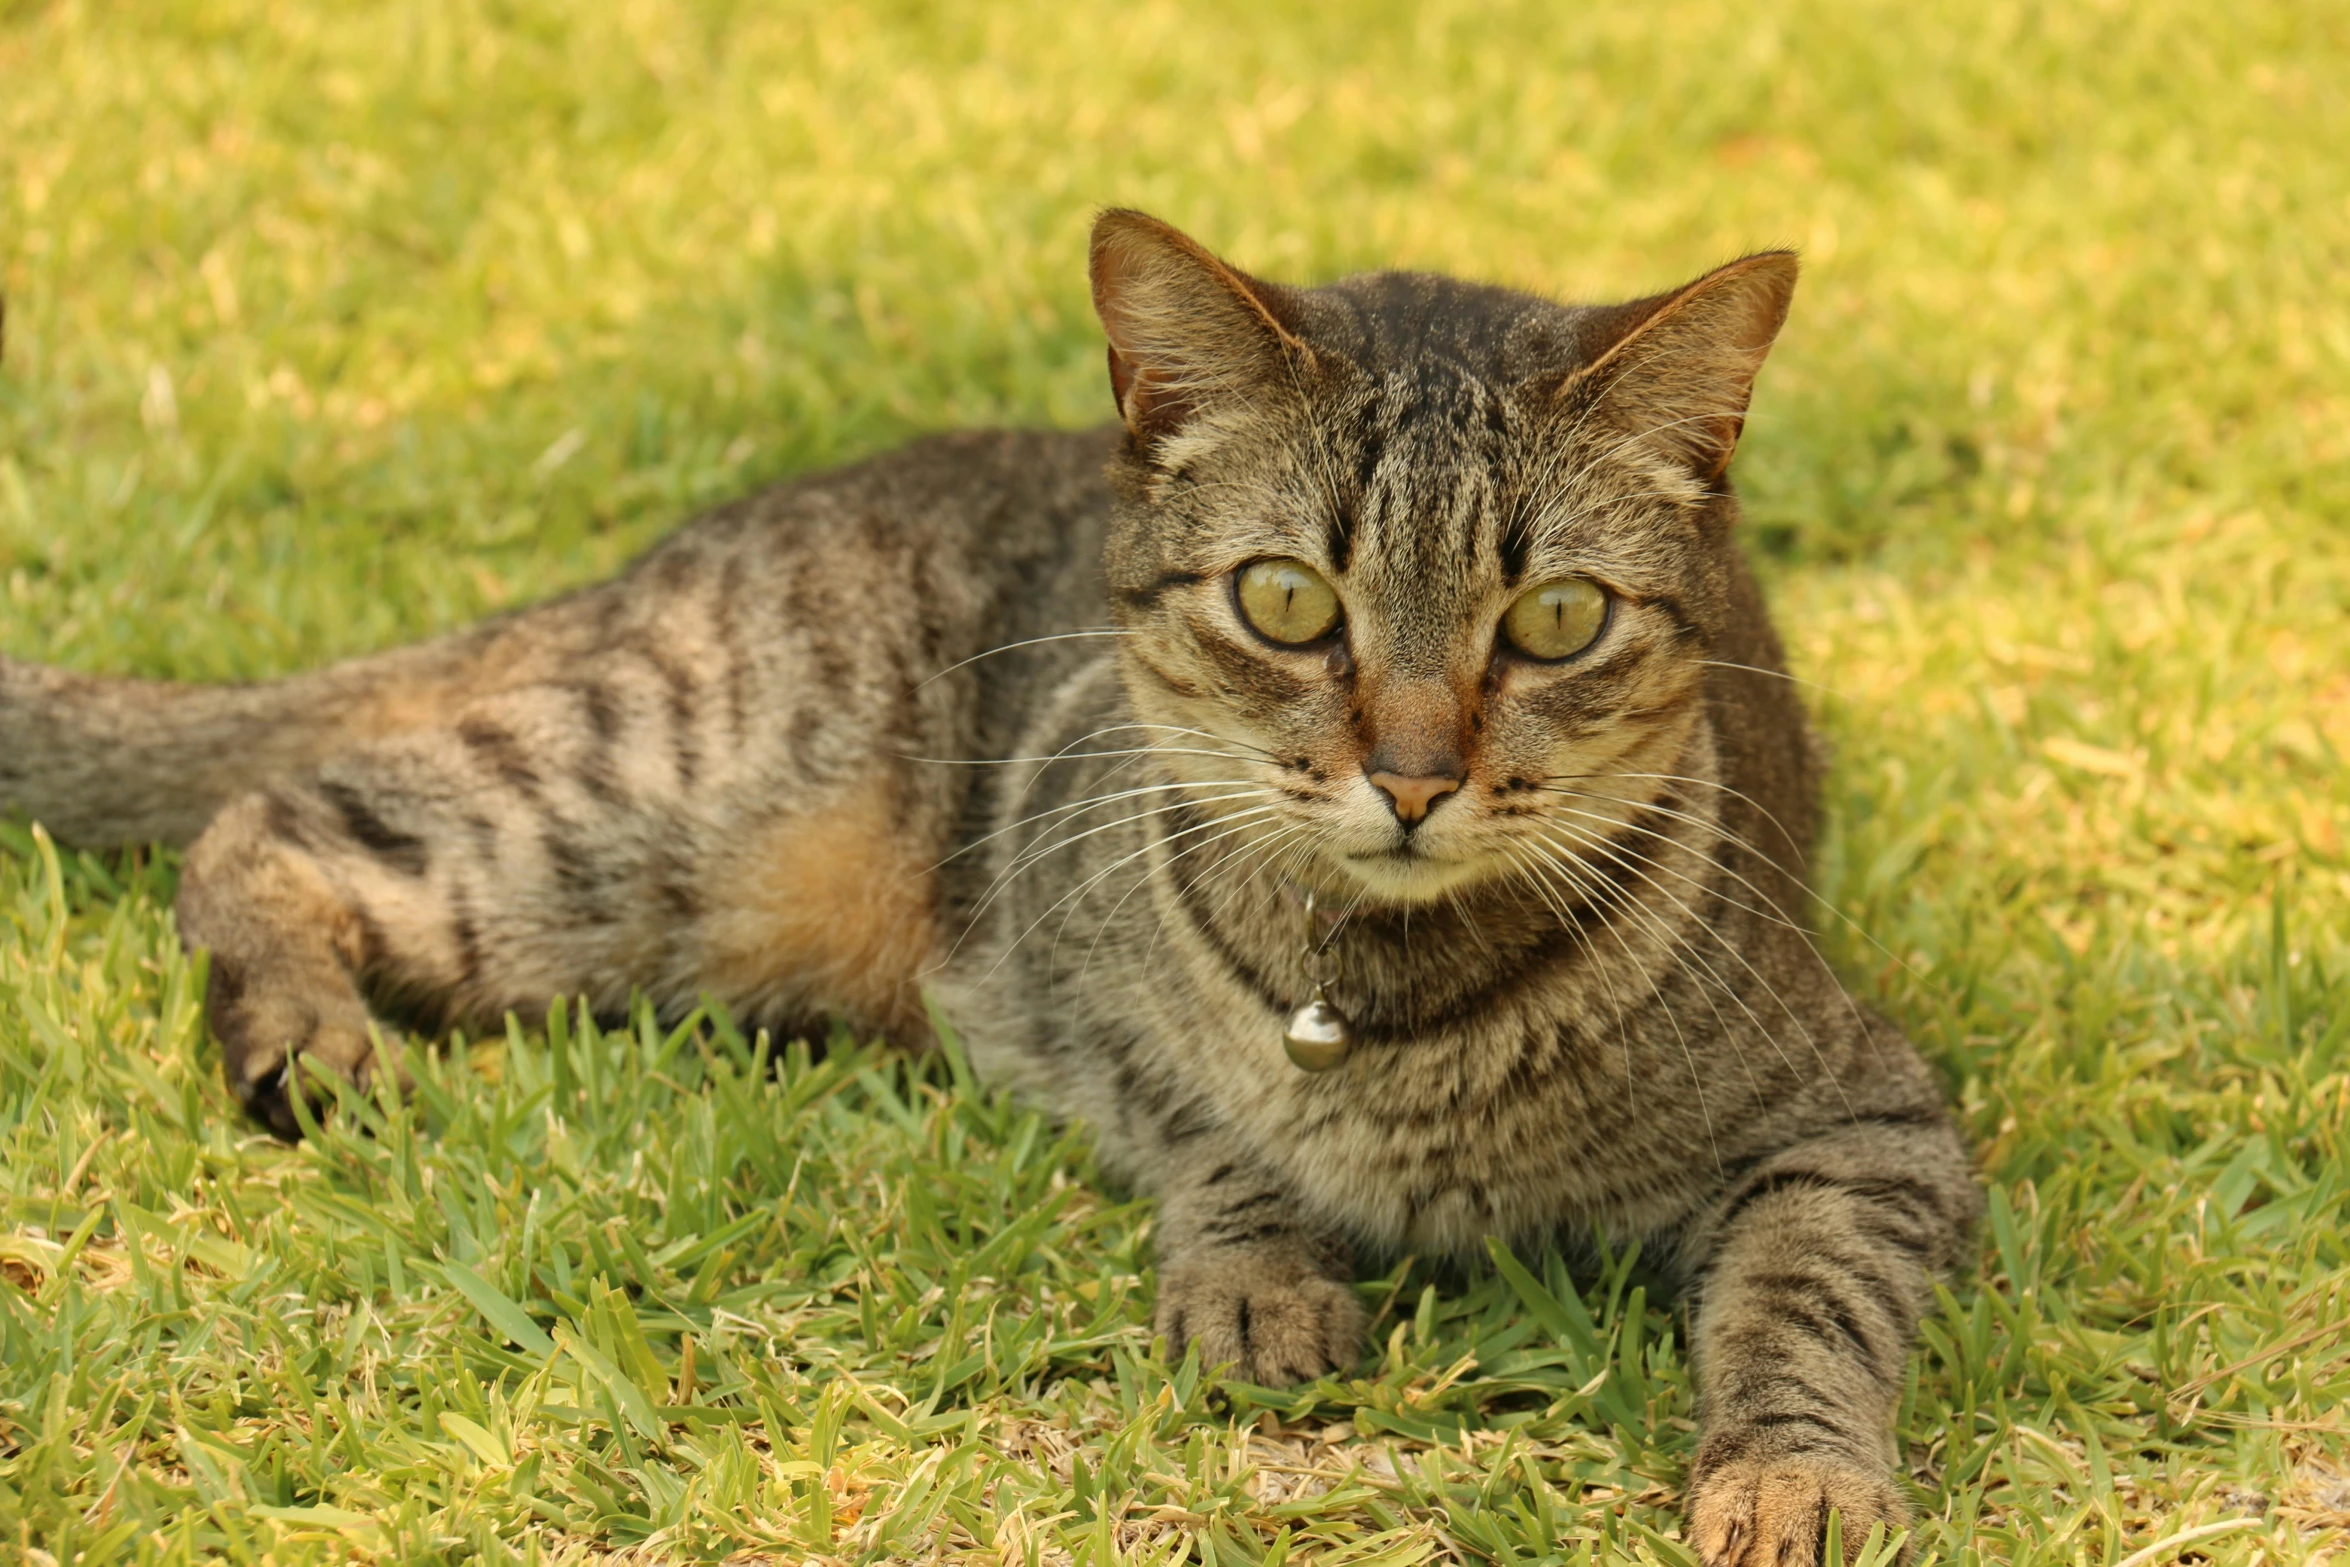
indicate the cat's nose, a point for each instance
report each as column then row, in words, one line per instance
column 1411, row 797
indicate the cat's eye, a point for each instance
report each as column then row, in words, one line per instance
column 1556, row 620
column 1287, row 601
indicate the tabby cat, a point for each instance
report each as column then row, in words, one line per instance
column 1415, row 854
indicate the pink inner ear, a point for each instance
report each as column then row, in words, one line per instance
column 1119, row 271
column 1144, row 399
column 1121, row 381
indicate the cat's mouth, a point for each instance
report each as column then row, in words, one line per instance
column 1407, row 872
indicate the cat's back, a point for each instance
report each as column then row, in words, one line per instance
column 1023, row 499
column 895, row 575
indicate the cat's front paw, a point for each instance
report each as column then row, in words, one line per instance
column 1273, row 1322
column 1774, row 1513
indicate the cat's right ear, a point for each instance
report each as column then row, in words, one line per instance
column 1185, row 330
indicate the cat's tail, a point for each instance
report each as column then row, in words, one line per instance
column 101, row 761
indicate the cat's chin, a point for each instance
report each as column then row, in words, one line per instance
column 1402, row 876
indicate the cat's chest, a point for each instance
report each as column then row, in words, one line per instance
column 1507, row 1123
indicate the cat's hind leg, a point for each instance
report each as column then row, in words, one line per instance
column 534, row 848
column 285, row 948
column 555, row 840
column 307, row 899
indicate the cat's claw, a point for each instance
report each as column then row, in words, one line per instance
column 268, row 1083
column 1269, row 1322
column 1775, row 1513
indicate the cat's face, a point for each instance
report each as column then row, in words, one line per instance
column 1418, row 576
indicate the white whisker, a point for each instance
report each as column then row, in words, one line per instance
column 1721, row 834
column 1724, row 835
column 1062, row 636
column 1775, row 674
column 1575, row 875
column 1030, row 857
column 1765, row 812
column 1091, row 881
column 1633, row 862
column 1091, row 802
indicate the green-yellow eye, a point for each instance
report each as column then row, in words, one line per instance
column 1556, row 620
column 1287, row 601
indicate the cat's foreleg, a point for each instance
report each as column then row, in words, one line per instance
column 1245, row 1277
column 1816, row 1267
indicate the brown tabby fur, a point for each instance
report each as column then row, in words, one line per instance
column 869, row 732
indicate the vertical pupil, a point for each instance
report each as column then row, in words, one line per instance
column 1287, row 601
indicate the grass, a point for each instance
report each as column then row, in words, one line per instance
column 335, row 326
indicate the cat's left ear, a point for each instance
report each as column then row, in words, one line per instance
column 1186, row 331
column 1678, row 378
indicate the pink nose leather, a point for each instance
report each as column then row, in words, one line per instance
column 1411, row 797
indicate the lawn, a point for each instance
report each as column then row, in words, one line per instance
column 332, row 326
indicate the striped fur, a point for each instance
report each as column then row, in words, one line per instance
column 981, row 716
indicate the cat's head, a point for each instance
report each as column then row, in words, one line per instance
column 1402, row 558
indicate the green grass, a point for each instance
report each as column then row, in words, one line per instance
column 335, row 326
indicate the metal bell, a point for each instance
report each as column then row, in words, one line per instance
column 1318, row 1037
